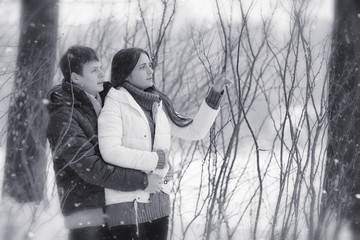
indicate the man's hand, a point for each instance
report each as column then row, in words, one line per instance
column 170, row 175
column 154, row 183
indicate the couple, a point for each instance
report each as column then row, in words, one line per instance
column 124, row 192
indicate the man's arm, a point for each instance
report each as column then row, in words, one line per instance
column 69, row 143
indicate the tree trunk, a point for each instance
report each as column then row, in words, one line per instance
column 25, row 166
column 342, row 178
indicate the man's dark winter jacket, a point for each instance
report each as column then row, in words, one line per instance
column 81, row 173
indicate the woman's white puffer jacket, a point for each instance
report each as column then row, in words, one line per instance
column 125, row 138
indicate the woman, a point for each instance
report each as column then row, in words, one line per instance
column 135, row 129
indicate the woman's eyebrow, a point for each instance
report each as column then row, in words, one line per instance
column 95, row 67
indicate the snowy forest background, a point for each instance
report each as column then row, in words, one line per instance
column 279, row 163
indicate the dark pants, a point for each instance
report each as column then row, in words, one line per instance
column 152, row 230
column 90, row 233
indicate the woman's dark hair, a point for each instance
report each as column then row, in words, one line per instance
column 123, row 62
column 74, row 59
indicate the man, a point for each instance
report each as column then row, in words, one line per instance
column 81, row 174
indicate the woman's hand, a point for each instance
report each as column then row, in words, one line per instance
column 220, row 82
column 154, row 185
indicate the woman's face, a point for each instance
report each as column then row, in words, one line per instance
column 141, row 76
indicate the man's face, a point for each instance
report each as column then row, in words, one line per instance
column 92, row 78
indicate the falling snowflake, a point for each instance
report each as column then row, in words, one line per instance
column 347, row 39
column 45, row 101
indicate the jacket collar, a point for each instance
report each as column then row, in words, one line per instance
column 121, row 95
column 67, row 94
column 80, row 96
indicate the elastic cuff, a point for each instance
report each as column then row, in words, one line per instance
column 162, row 159
column 213, row 98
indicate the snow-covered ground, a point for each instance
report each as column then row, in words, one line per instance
column 45, row 222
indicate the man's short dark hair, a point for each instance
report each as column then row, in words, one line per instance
column 74, row 59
